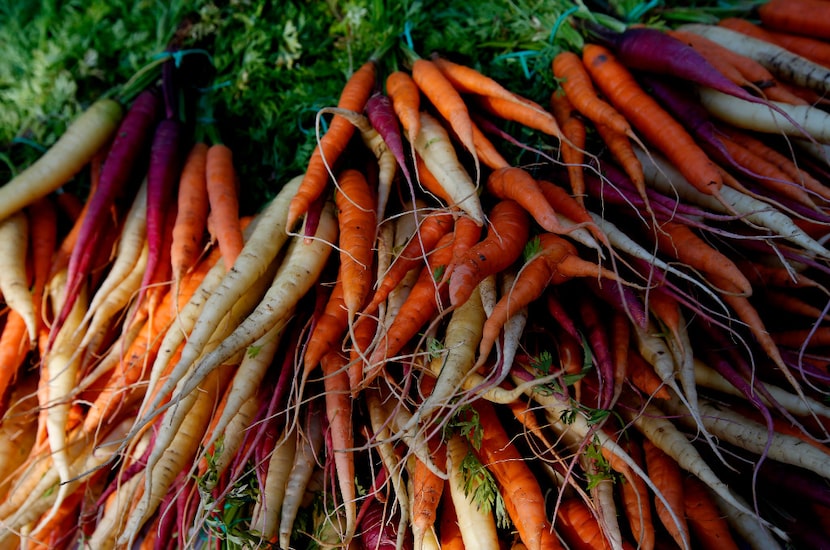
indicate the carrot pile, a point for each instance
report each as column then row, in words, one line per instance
column 419, row 343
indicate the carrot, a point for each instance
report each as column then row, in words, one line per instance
column 665, row 473
column 466, row 234
column 576, row 214
column 519, row 487
column 434, row 146
column 508, row 233
column 578, row 526
column 427, row 489
column 266, row 514
column 556, row 262
column 329, row 329
column 43, row 226
column 14, row 281
column 386, row 143
column 356, row 218
column 429, row 232
column 467, row 80
column 406, row 101
column 476, row 523
column 449, row 530
column 708, row 524
column 573, row 148
column 353, row 97
column 636, row 502
column 81, row 140
column 657, row 126
column 517, row 184
column 485, row 149
column 680, row 242
column 642, row 376
column 223, row 200
column 800, row 16
column 14, row 347
column 421, row 304
column 446, row 100
column 574, row 78
column 339, row 413
column 522, row 112
column 814, row 49
column 188, row 233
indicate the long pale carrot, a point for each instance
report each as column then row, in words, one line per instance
column 14, row 281
column 353, row 97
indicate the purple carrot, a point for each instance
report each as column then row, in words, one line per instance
column 130, row 143
column 169, row 513
column 561, row 316
column 652, row 50
column 382, row 117
column 162, row 178
column 795, row 480
column 600, row 344
column 378, row 532
column 621, row 298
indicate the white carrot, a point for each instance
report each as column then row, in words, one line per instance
column 759, row 118
column 747, row 526
column 14, row 285
column 305, row 461
column 435, row 148
column 267, row 510
column 477, row 526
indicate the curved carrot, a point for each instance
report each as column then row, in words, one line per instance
column 191, row 219
column 650, row 119
column 406, row 101
column 354, row 96
column 223, row 198
column 509, row 230
column 517, row 184
column 666, row 476
column 356, row 218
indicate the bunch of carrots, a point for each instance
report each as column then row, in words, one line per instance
column 418, row 343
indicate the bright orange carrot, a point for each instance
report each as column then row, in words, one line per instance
column 578, row 526
column 667, row 477
column 505, row 240
column 354, row 96
column 574, row 78
column 43, row 235
column 446, row 99
column 527, row 114
column 486, row 151
column 431, row 229
column 568, row 206
column 189, row 231
column 621, row 148
column 223, row 198
column 650, row 119
column 406, row 101
column 466, row 234
column 430, row 182
column 427, row 487
column 467, row 80
column 14, row 347
column 708, row 524
column 573, row 148
column 517, row 184
column 330, row 327
column 356, row 218
column 680, row 242
column 808, row 17
column 450, row 533
column 520, row 489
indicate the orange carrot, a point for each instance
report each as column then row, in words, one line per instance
column 427, row 487
column 812, row 48
column 573, row 148
column 578, row 526
column 467, row 80
column 43, row 235
column 651, row 120
column 466, row 234
column 527, row 114
column 14, row 347
column 330, row 327
column 422, row 303
column 429, row 232
column 505, row 240
column 680, row 242
column 574, row 78
column 568, row 206
column 622, row 150
column 341, row 431
column 450, row 533
column 406, row 101
column 224, row 202
column 486, row 151
column 807, row 17
column 636, row 501
column 642, row 376
column 446, row 99
column 191, row 219
column 356, row 218
column 709, row 525
column 668, row 479
column 517, row 184
column 354, row 96
column 430, row 182
column 520, row 489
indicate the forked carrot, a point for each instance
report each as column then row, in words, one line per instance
column 355, row 93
